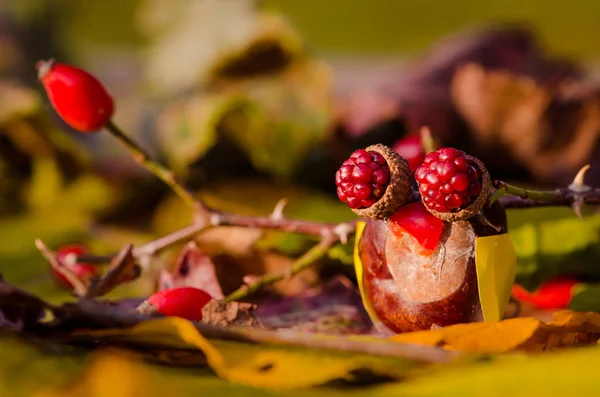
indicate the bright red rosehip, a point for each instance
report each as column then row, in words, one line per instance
column 184, row 302
column 411, row 149
column 553, row 294
column 67, row 256
column 521, row 294
column 414, row 219
column 448, row 180
column 77, row 96
column 362, row 179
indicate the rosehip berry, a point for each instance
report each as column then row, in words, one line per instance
column 184, row 302
column 448, row 180
column 411, row 149
column 67, row 256
column 362, row 179
column 552, row 294
column 77, row 96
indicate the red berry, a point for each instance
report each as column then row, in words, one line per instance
column 449, row 180
column 554, row 294
column 414, row 219
column 411, row 149
column 521, row 294
column 77, row 96
column 67, row 256
column 362, row 179
column 184, row 302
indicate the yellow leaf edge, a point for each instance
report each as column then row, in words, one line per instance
column 495, row 263
column 359, row 269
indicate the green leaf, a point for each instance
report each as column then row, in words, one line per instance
column 290, row 114
column 586, row 298
column 553, row 241
column 188, row 129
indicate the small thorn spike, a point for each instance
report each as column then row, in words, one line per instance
column 578, row 184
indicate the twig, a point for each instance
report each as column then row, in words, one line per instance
column 340, row 231
column 549, row 196
column 154, row 247
column 564, row 197
column 306, row 260
column 163, row 173
column 79, row 289
column 575, row 195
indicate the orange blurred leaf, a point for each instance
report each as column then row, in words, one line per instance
column 567, row 329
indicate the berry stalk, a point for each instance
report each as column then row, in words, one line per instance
column 161, row 172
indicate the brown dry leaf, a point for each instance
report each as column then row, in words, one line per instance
column 193, row 268
column 19, row 309
column 567, row 329
column 550, row 130
column 229, row 313
column 122, row 269
column 231, row 271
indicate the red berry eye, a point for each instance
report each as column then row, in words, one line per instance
column 448, row 180
column 362, row 179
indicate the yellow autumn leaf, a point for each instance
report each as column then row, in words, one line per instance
column 496, row 264
column 109, row 374
column 358, row 268
column 264, row 365
column 566, row 373
column 568, row 329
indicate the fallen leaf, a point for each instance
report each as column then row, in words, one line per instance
column 335, row 308
column 286, row 366
column 122, row 269
column 193, row 268
column 557, row 374
column 568, row 329
column 551, row 242
column 229, row 313
column 586, row 298
column 19, row 310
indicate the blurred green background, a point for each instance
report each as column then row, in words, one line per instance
column 351, row 26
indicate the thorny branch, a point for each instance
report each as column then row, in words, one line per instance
column 205, row 218
column 575, row 195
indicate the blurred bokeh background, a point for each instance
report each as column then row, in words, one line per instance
column 267, row 98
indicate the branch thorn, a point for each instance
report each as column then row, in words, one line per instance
column 277, row 214
column 578, row 186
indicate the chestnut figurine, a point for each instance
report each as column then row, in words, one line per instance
column 430, row 257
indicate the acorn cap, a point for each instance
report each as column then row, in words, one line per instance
column 475, row 207
column 397, row 191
